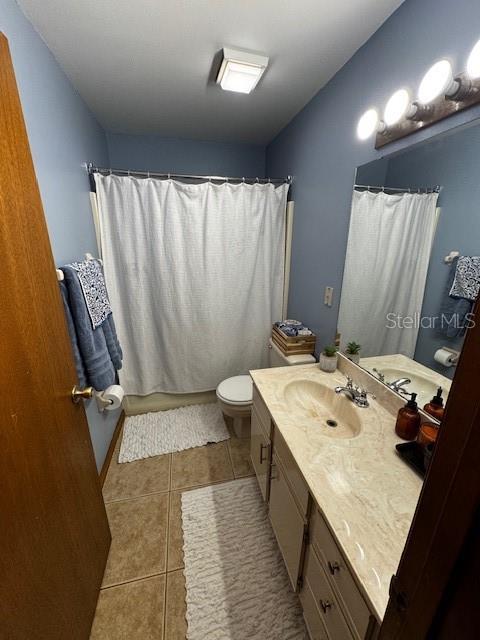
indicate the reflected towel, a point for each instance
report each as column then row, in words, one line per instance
column 455, row 310
column 466, row 281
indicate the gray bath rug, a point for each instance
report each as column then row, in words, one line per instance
column 151, row 434
column 237, row 584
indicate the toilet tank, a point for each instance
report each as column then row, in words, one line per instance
column 277, row 359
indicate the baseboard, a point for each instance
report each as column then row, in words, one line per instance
column 111, row 448
column 134, row 405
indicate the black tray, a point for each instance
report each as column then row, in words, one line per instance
column 413, row 454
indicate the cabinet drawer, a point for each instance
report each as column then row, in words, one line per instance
column 339, row 574
column 287, row 522
column 316, row 628
column 262, row 412
column 294, row 477
column 326, row 603
column 260, row 454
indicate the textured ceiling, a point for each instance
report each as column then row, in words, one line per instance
column 146, row 66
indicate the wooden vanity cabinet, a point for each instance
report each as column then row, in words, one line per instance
column 334, row 565
column 260, row 454
column 288, row 523
column 333, row 606
column 260, row 443
column 321, row 609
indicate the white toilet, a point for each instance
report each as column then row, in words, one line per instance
column 235, row 395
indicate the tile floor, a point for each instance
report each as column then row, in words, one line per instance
column 143, row 591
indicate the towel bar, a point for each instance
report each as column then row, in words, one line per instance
column 451, row 257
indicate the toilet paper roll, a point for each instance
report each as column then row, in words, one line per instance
column 445, row 357
column 114, row 396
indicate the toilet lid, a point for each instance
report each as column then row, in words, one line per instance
column 236, row 390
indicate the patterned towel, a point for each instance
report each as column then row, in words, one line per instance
column 466, row 283
column 94, row 290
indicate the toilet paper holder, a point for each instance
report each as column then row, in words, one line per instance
column 102, row 403
column 110, row 398
column 451, row 361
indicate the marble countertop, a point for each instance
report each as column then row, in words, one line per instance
column 366, row 493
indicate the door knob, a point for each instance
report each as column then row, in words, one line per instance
column 78, row 394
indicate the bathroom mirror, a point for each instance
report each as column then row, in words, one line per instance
column 412, row 263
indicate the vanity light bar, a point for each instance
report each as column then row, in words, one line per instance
column 440, row 94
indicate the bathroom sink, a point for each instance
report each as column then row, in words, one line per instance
column 423, row 387
column 334, row 415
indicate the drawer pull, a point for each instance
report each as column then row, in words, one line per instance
column 333, row 566
column 326, row 605
column 262, row 447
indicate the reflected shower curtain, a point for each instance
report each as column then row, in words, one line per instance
column 195, row 276
column 388, row 252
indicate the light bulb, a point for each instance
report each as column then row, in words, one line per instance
column 367, row 124
column 473, row 62
column 436, row 82
column 396, row 107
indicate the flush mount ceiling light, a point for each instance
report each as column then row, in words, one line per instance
column 436, row 82
column 240, row 71
column 367, row 125
column 396, row 107
column 473, row 62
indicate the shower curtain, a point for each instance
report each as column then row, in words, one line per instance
column 388, row 252
column 195, row 274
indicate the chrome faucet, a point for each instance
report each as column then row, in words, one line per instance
column 357, row 396
column 398, row 385
column 380, row 375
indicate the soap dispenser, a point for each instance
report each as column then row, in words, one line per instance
column 408, row 420
column 435, row 407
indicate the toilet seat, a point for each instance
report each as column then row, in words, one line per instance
column 236, row 391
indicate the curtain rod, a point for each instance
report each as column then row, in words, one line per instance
column 91, row 168
column 435, row 189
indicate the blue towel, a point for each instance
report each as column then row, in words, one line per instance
column 455, row 310
column 98, row 354
column 81, row 375
column 113, row 345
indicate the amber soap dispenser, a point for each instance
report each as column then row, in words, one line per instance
column 408, row 420
column 435, row 407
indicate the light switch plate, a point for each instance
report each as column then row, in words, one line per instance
column 328, row 298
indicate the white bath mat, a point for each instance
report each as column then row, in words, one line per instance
column 237, row 584
column 151, row 434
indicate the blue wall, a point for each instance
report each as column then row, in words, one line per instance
column 172, row 155
column 319, row 147
column 63, row 134
column 451, row 161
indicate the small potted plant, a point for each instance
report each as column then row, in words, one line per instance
column 353, row 351
column 328, row 358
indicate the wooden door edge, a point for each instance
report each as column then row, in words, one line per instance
column 111, row 449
